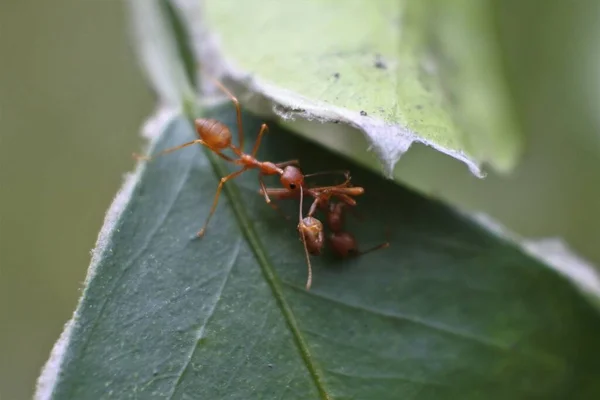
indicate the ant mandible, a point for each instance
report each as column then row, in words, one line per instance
column 216, row 136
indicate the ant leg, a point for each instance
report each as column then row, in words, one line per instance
column 238, row 111
column 172, row 149
column 344, row 198
column 383, row 245
column 313, row 207
column 223, row 156
column 279, row 194
column 349, row 201
column 378, row 247
column 264, row 128
column 346, row 174
column 287, row 163
column 264, row 188
column 216, row 200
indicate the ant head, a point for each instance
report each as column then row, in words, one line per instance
column 292, row 178
column 343, row 244
column 311, row 230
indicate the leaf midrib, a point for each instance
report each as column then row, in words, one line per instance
column 232, row 193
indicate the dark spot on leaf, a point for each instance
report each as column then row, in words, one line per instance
column 363, row 113
column 336, row 75
column 419, row 107
column 379, row 63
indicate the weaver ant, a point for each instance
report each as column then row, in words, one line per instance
column 216, row 136
column 342, row 243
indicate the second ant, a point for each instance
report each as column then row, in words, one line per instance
column 341, row 242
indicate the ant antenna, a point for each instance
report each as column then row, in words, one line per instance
column 346, row 174
column 309, row 279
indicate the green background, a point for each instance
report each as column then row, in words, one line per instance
column 72, row 101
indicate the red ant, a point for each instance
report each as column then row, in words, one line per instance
column 342, row 243
column 216, row 136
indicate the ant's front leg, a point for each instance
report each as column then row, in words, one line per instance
column 284, row 164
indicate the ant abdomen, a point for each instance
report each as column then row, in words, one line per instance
column 343, row 244
column 311, row 231
column 215, row 133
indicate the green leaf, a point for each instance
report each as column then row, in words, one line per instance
column 448, row 311
column 425, row 71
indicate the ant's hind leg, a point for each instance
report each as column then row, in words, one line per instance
column 264, row 188
column 383, row 245
column 288, row 163
column 169, row 150
column 345, row 173
column 372, row 249
column 216, row 200
column 263, row 129
column 238, row 111
column 172, row 149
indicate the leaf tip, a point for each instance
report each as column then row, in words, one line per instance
column 552, row 252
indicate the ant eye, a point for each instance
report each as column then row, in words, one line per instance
column 292, row 186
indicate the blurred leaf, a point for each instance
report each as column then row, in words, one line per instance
column 163, row 50
column 426, row 71
column 448, row 311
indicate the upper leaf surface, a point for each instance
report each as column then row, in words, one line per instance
column 448, row 311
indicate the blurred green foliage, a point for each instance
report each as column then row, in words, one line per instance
column 553, row 66
column 71, row 103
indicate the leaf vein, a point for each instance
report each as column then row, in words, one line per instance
column 251, row 235
column 440, row 327
column 401, row 378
